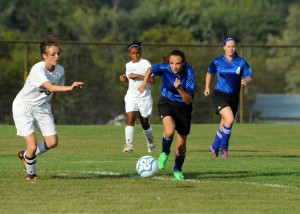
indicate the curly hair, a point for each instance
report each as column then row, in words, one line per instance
column 50, row 40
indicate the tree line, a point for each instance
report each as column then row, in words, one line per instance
column 168, row 22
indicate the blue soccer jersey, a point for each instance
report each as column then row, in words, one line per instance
column 186, row 76
column 229, row 73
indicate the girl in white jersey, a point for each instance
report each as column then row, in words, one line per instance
column 136, row 102
column 34, row 105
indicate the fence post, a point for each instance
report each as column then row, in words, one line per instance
column 26, row 61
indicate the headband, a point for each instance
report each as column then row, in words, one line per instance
column 228, row 39
column 134, row 45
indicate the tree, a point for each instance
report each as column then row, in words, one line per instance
column 286, row 62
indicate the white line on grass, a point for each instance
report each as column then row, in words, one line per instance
column 115, row 174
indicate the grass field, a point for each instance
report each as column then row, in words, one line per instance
column 88, row 173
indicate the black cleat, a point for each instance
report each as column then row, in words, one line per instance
column 22, row 158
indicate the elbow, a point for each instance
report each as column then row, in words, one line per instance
column 188, row 102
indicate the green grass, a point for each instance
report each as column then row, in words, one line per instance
column 88, row 173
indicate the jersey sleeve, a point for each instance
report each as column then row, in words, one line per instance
column 212, row 69
column 247, row 71
column 38, row 76
column 190, row 86
column 62, row 79
column 157, row 69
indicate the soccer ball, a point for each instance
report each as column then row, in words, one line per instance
column 147, row 166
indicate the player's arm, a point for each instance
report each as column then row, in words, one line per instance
column 145, row 80
column 207, row 84
column 151, row 79
column 57, row 88
column 185, row 96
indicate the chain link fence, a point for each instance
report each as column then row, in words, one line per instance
column 99, row 65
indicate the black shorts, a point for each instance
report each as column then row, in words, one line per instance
column 222, row 100
column 180, row 112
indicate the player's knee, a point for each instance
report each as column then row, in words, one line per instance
column 55, row 144
column 50, row 144
column 181, row 151
column 31, row 149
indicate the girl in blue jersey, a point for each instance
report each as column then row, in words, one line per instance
column 175, row 106
column 232, row 71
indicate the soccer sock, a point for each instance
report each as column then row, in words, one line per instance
column 149, row 135
column 41, row 148
column 217, row 143
column 166, row 145
column 225, row 137
column 129, row 132
column 179, row 160
column 30, row 165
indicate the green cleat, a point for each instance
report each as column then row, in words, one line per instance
column 178, row 176
column 162, row 159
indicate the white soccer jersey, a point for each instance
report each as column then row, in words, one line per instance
column 140, row 68
column 33, row 93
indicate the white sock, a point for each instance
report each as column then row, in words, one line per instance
column 30, row 165
column 149, row 135
column 41, row 148
column 129, row 132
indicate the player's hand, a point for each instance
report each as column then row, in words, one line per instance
column 122, row 78
column 244, row 82
column 177, row 83
column 206, row 92
column 77, row 84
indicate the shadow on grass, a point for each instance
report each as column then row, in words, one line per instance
column 241, row 153
column 236, row 174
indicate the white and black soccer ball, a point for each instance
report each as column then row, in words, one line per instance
column 147, row 166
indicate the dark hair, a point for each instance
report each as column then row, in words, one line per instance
column 135, row 43
column 175, row 53
column 48, row 41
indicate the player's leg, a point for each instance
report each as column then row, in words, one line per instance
column 29, row 156
column 148, row 133
column 129, row 131
column 166, row 112
column 145, row 110
column 23, row 118
column 227, row 122
column 183, row 127
column 45, row 124
column 131, row 108
column 180, row 156
column 214, row 148
column 168, row 135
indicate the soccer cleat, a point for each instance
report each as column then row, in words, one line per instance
column 224, row 153
column 30, row 177
column 162, row 159
column 151, row 147
column 22, row 158
column 214, row 154
column 128, row 148
column 179, row 176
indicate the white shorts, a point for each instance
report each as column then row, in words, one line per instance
column 142, row 104
column 27, row 118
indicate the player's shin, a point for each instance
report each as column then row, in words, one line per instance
column 41, row 148
column 31, row 165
